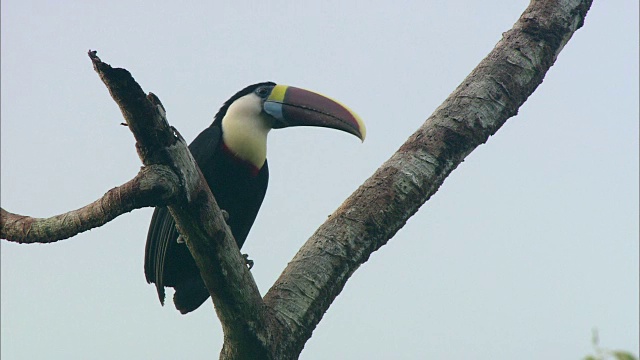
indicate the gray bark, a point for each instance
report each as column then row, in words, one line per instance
column 278, row 326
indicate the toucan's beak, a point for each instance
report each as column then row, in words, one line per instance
column 292, row 106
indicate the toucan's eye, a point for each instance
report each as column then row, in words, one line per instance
column 262, row 91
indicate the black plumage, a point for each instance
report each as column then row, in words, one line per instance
column 239, row 188
column 231, row 154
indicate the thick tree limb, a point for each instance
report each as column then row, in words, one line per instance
column 234, row 292
column 153, row 186
column 489, row 96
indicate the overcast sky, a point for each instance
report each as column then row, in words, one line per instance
column 530, row 244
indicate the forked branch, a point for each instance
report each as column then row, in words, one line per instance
column 279, row 326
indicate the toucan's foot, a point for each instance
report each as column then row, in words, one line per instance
column 225, row 215
column 180, row 239
column 247, row 261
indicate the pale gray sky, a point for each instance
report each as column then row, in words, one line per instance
column 528, row 245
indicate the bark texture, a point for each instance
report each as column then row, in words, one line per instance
column 198, row 218
column 278, row 326
column 490, row 95
column 154, row 185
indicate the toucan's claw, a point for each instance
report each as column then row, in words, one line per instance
column 225, row 215
column 248, row 262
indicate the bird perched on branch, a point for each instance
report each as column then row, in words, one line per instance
column 232, row 155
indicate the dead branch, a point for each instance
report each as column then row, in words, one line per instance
column 153, row 186
column 199, row 220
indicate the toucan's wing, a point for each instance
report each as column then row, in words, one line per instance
column 167, row 262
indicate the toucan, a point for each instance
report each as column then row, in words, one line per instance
column 232, row 155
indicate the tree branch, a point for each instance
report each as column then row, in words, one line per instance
column 279, row 326
column 153, row 186
column 199, row 220
column 490, row 95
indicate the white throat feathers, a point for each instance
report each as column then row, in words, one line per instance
column 245, row 128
